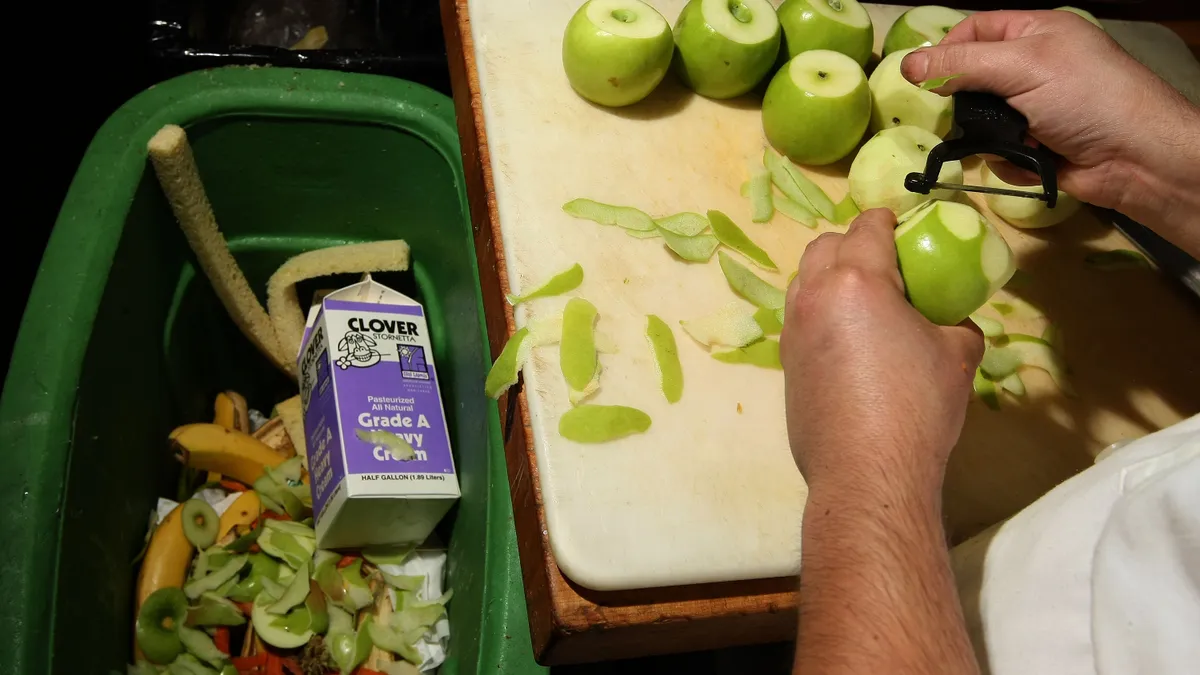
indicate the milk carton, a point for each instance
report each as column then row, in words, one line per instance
column 378, row 448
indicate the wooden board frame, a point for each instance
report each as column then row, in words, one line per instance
column 568, row 623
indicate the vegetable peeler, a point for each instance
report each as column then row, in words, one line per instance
column 985, row 124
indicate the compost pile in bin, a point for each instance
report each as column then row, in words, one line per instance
column 232, row 581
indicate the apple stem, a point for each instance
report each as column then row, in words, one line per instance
column 624, row 15
column 835, row 5
column 740, row 11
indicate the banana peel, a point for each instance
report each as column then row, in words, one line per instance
column 231, row 411
column 211, row 447
column 242, row 512
column 292, row 414
column 166, row 562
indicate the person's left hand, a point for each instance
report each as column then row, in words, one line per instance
column 871, row 385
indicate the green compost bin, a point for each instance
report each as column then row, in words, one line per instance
column 123, row 339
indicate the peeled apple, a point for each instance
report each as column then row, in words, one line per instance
column 952, row 260
column 880, row 167
column 1027, row 213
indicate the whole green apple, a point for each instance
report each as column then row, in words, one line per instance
column 1091, row 18
column 1027, row 213
column 951, row 259
column 921, row 27
column 878, row 171
column 817, row 107
column 615, row 52
column 897, row 102
column 839, row 25
column 723, row 48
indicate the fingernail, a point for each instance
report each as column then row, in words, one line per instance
column 914, row 66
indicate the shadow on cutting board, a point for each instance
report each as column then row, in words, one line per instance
column 1129, row 340
column 667, row 99
column 672, row 97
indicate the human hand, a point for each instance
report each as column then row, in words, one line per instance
column 873, row 389
column 1130, row 141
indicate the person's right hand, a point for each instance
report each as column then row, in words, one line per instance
column 1130, row 141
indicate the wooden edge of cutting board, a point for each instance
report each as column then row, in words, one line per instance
column 570, row 624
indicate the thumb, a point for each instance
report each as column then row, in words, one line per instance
column 966, row 344
column 1006, row 69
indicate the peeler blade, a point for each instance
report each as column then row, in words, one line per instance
column 991, row 190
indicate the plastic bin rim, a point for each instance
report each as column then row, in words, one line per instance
column 35, row 425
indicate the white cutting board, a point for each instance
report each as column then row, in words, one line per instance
column 710, row 492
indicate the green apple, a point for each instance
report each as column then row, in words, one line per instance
column 840, row 25
column 725, row 47
column 1027, row 213
column 897, row 102
column 817, row 107
column 1082, row 12
column 921, row 27
column 951, row 259
column 616, row 52
column 878, row 171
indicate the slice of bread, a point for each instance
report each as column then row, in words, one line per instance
column 287, row 316
column 175, row 167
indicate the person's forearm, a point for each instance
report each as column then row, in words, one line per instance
column 1163, row 190
column 876, row 591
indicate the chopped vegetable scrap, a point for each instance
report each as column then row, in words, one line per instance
column 577, row 351
column 796, row 211
column 763, row 353
column 987, row 325
column 601, row 423
column 686, row 224
column 697, row 248
column 1007, row 353
column 606, row 214
column 845, row 211
column 934, row 83
column 985, row 389
column 746, row 284
column 769, row 321
column 731, row 326
column 685, row 234
column 792, row 182
column 666, row 358
column 1121, row 259
column 508, row 365
column 563, row 282
column 228, row 588
column 759, row 192
column 644, row 234
column 729, row 234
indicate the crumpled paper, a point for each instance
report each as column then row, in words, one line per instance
column 432, row 565
column 215, row 497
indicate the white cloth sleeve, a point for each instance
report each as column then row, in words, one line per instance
column 1100, row 575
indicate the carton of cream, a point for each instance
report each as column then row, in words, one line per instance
column 378, row 448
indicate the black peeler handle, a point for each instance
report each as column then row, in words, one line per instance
column 988, row 125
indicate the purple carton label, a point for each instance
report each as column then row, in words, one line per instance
column 324, row 441
column 367, row 376
column 386, row 396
